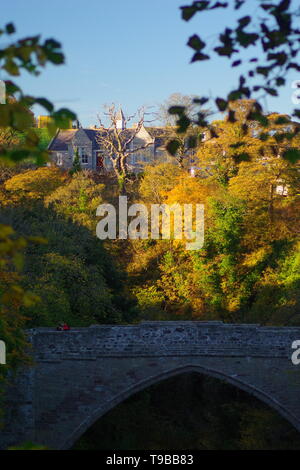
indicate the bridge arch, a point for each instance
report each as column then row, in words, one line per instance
column 100, row 411
column 81, row 375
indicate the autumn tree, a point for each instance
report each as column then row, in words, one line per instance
column 37, row 183
column 157, row 180
column 78, row 198
column 270, row 183
column 220, row 156
column 228, row 142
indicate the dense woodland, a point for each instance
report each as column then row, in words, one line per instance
column 247, row 271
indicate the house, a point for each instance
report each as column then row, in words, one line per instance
column 92, row 155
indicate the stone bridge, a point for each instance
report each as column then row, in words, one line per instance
column 81, row 374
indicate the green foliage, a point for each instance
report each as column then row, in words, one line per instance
column 238, row 275
column 72, row 274
column 44, row 136
column 150, row 302
column 29, row 54
column 279, row 287
column 218, row 270
column 121, row 182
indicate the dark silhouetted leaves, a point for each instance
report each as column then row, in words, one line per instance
column 271, row 91
column 231, row 116
column 243, row 22
column 45, row 103
column 296, row 113
column 264, row 137
column 176, row 109
column 183, row 124
column 238, row 4
column 63, row 117
column 242, row 157
column 200, row 101
column 263, row 70
column 189, row 11
column 10, row 29
column 192, row 142
column 292, row 155
column 173, row 146
column 222, row 104
column 282, row 120
column 199, row 56
column 196, row 43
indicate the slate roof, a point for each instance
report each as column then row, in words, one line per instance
column 161, row 135
column 62, row 139
column 160, row 132
column 92, row 135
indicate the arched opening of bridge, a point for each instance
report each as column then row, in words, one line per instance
column 191, row 411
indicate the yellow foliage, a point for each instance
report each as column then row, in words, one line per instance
column 78, row 198
column 158, row 180
column 252, row 259
column 36, row 184
column 190, row 191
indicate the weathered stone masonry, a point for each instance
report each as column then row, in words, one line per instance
column 81, row 374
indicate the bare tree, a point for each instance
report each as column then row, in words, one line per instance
column 176, row 99
column 117, row 140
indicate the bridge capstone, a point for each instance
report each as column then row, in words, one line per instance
column 81, row 374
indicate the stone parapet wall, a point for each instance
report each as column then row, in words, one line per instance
column 163, row 339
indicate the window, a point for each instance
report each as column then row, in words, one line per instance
column 59, row 159
column 84, row 157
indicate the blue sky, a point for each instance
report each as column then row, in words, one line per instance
column 130, row 52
